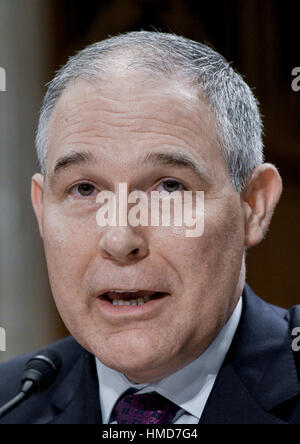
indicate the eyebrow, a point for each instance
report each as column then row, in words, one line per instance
column 176, row 159
column 70, row 159
column 155, row 158
column 73, row 158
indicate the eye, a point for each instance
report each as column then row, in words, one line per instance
column 83, row 189
column 171, row 185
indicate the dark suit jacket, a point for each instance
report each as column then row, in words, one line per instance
column 257, row 383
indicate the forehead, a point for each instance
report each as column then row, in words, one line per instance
column 128, row 114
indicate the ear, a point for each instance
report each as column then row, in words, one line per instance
column 259, row 198
column 37, row 185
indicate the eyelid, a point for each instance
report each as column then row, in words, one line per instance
column 82, row 182
column 171, row 179
column 161, row 181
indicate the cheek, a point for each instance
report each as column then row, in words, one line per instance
column 69, row 244
column 224, row 235
column 218, row 251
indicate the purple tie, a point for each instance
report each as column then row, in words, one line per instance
column 148, row 408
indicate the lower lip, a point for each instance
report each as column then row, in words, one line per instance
column 112, row 309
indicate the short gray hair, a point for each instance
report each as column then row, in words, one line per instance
column 238, row 121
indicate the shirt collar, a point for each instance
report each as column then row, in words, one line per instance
column 189, row 387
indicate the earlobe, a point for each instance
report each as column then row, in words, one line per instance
column 260, row 197
column 37, row 185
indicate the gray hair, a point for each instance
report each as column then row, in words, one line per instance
column 238, row 121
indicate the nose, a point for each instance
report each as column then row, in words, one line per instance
column 122, row 245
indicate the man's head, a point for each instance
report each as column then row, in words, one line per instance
column 152, row 110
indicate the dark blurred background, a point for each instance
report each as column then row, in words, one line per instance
column 260, row 38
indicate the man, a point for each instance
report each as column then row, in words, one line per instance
column 151, row 310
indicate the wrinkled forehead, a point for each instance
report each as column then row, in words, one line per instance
column 130, row 106
column 134, row 91
column 123, row 87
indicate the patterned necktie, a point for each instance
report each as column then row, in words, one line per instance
column 147, row 408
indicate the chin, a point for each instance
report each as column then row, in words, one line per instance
column 136, row 359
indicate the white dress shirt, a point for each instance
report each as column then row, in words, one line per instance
column 189, row 387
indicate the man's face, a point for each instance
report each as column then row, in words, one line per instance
column 121, row 128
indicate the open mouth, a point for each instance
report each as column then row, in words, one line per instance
column 131, row 297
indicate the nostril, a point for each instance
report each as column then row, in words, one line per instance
column 135, row 251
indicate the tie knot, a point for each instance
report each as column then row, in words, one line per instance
column 147, row 408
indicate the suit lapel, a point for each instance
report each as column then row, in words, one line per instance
column 259, row 373
column 77, row 400
column 231, row 403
